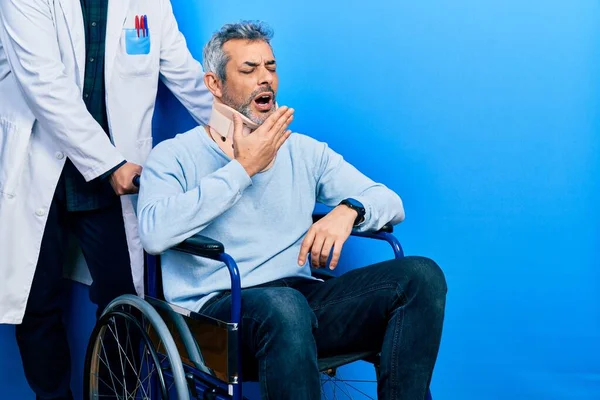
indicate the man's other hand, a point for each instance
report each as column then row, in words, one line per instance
column 256, row 151
column 329, row 232
column 122, row 179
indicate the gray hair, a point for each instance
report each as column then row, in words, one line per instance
column 215, row 59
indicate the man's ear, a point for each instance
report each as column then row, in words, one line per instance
column 213, row 84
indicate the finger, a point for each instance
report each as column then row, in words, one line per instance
column 281, row 123
column 288, row 116
column 315, row 251
column 238, row 127
column 305, row 247
column 280, row 126
column 122, row 190
column 326, row 251
column 273, row 118
column 129, row 188
column 285, row 125
column 289, row 112
column 282, row 139
column 281, row 136
column 337, row 251
column 132, row 190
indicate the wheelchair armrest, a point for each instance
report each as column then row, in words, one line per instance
column 201, row 246
column 386, row 228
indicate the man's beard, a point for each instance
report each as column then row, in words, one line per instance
column 245, row 108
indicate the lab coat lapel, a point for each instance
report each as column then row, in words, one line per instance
column 74, row 17
column 117, row 13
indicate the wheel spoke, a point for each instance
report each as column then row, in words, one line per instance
column 137, row 367
column 340, row 386
column 112, row 375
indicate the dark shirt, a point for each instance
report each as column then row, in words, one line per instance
column 81, row 195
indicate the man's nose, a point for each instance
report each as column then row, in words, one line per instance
column 266, row 77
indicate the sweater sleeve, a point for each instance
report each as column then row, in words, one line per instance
column 168, row 211
column 337, row 180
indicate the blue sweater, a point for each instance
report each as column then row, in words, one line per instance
column 189, row 186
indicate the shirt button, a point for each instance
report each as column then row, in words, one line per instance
column 93, row 24
column 10, row 196
column 40, row 212
column 59, row 155
column 91, row 59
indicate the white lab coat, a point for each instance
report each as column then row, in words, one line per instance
column 43, row 118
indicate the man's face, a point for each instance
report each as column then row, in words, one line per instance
column 251, row 83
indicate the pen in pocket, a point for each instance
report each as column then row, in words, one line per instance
column 141, row 24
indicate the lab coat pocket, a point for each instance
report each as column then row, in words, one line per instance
column 136, row 44
column 13, row 153
column 136, row 58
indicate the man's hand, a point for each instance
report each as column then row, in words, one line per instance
column 122, row 179
column 256, row 151
column 330, row 231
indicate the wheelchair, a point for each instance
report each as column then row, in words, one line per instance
column 149, row 349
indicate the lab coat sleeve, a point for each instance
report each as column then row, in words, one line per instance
column 30, row 42
column 180, row 72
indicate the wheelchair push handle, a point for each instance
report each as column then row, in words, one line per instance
column 136, row 181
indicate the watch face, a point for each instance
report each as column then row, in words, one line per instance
column 354, row 203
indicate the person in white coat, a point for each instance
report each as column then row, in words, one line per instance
column 78, row 84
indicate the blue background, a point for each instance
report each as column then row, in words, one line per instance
column 484, row 117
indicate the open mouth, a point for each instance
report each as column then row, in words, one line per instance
column 264, row 101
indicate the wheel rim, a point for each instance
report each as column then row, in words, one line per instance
column 122, row 362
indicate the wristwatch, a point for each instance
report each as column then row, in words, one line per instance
column 356, row 206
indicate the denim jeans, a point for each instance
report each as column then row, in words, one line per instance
column 396, row 307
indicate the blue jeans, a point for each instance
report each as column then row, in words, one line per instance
column 396, row 307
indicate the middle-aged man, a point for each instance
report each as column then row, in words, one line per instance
column 78, row 83
column 249, row 183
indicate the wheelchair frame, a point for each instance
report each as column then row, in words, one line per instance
column 215, row 373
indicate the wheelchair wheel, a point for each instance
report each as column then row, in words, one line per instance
column 131, row 355
column 336, row 384
column 339, row 384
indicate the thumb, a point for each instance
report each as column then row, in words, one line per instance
column 238, row 126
